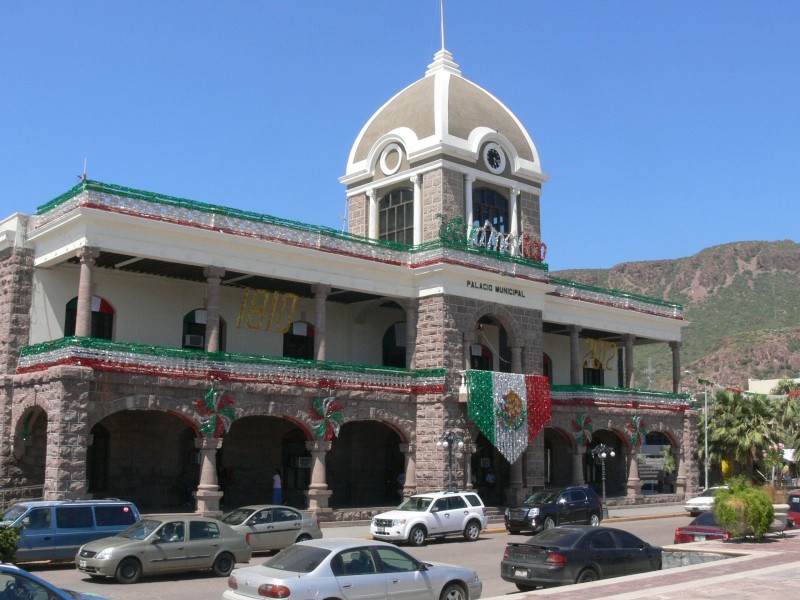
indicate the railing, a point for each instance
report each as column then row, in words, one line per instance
column 10, row 496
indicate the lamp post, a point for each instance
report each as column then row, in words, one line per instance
column 450, row 440
column 600, row 453
column 705, row 428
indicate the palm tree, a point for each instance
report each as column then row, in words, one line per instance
column 788, row 412
column 739, row 427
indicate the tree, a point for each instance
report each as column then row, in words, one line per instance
column 788, row 412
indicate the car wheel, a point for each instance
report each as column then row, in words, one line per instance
column 417, row 536
column 587, row 576
column 453, row 591
column 522, row 587
column 594, row 520
column 549, row 523
column 223, row 565
column 472, row 531
column 129, row 570
column 303, row 538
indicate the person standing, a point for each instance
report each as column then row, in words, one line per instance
column 277, row 497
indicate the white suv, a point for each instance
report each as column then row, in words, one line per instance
column 431, row 515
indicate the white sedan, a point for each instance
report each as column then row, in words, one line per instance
column 351, row 568
column 703, row 502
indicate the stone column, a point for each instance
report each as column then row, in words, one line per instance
column 514, row 211
column 516, row 494
column 83, row 318
column 628, row 339
column 410, row 455
column 372, row 231
column 633, row 485
column 516, row 359
column 575, row 370
column 676, row 366
column 417, row 181
column 321, row 292
column 577, row 465
column 318, row 493
column 469, row 216
column 469, row 338
column 208, row 493
column 412, row 314
column 213, row 277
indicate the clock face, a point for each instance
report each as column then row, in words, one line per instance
column 494, row 158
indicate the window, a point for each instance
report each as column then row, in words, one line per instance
column 285, row 514
column 298, row 342
column 357, row 562
column 593, row 372
column 577, row 496
column 114, row 515
column 396, row 561
column 481, row 358
column 602, row 540
column 171, row 532
column 194, row 330
column 456, row 502
column 628, row 540
column 263, row 516
column 74, row 517
column 102, row 318
column 394, row 346
column 203, row 530
column 38, row 518
column 547, row 368
column 396, row 216
column 488, row 205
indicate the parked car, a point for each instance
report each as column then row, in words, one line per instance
column 163, row 544
column 551, row 507
column 576, row 554
column 55, row 529
column 272, row 527
column 704, row 501
column 16, row 584
column 432, row 515
column 351, row 568
column 793, row 501
column 703, row 527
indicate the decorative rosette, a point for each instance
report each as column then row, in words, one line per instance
column 327, row 416
column 638, row 431
column 582, row 429
column 217, row 413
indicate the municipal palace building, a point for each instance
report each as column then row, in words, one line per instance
column 152, row 344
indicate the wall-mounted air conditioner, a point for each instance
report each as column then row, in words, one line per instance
column 301, row 462
column 195, row 341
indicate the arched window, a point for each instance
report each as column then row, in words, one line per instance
column 480, row 358
column 102, row 318
column 394, row 346
column 194, row 330
column 492, row 206
column 298, row 342
column 396, row 216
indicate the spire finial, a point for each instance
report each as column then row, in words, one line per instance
column 441, row 10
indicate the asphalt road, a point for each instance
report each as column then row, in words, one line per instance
column 483, row 556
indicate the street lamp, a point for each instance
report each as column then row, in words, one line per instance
column 705, row 432
column 450, row 440
column 600, row 453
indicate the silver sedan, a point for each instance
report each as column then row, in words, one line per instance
column 349, row 569
column 272, row 527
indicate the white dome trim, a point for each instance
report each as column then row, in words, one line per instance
column 403, row 136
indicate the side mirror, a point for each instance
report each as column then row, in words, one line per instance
column 422, row 567
column 434, row 509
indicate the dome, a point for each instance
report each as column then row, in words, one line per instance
column 442, row 114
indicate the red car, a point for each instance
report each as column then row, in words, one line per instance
column 703, row 527
column 794, row 508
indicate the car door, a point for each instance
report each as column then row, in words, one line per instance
column 261, row 531
column 635, row 558
column 459, row 513
column 74, row 528
column 358, row 575
column 37, row 539
column 286, row 523
column 404, row 578
column 167, row 549
column 439, row 519
column 604, row 552
column 564, row 510
column 579, row 506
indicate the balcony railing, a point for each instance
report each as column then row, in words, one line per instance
column 590, row 395
column 179, row 363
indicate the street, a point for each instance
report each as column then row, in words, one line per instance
column 484, row 556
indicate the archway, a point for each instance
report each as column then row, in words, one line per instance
column 616, row 467
column 363, row 465
column 31, row 448
column 487, row 461
column 558, row 458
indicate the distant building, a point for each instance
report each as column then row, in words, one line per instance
column 764, row 386
column 341, row 359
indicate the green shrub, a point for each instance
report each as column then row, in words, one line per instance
column 9, row 536
column 743, row 510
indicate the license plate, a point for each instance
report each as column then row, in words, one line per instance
column 520, row 572
column 82, row 564
column 380, row 531
column 699, row 538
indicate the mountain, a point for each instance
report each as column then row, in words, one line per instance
column 742, row 302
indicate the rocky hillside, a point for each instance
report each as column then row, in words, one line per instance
column 743, row 304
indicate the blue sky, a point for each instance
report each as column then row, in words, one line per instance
column 665, row 127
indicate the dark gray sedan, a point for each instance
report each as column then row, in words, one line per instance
column 576, row 554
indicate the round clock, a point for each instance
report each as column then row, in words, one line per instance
column 494, row 157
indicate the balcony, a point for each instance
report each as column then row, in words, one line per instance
column 589, row 395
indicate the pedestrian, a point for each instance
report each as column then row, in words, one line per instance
column 276, row 488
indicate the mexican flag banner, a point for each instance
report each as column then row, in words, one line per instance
column 510, row 409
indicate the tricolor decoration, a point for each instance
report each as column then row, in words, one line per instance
column 582, row 429
column 510, row 409
column 327, row 416
column 637, row 429
column 217, row 413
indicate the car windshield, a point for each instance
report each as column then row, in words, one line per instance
column 418, row 503
column 237, row 517
column 13, row 513
column 543, row 497
column 557, row 536
column 140, row 530
column 297, row 559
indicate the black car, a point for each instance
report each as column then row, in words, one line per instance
column 576, row 554
column 549, row 508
